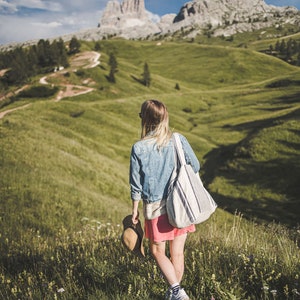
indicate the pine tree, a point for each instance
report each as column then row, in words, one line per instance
column 54, row 53
column 32, row 59
column 113, row 68
column 97, row 46
column 74, row 46
column 146, row 75
column 63, row 57
column 44, row 54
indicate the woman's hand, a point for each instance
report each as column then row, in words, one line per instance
column 135, row 217
column 135, row 212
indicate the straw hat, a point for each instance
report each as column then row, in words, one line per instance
column 132, row 236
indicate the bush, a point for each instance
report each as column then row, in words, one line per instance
column 39, row 92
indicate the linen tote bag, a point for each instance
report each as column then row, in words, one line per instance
column 188, row 201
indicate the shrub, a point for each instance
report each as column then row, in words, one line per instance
column 38, row 92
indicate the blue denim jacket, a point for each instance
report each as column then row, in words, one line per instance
column 151, row 169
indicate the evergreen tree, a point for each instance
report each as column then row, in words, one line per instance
column 277, row 46
column 74, row 46
column 19, row 71
column 282, row 47
column 32, row 59
column 97, row 46
column 44, row 53
column 113, row 68
column 54, row 54
column 63, row 57
column 146, row 75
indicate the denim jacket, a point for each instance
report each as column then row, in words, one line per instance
column 151, row 168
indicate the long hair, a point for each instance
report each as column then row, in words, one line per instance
column 155, row 122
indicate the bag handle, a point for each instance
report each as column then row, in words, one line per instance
column 179, row 149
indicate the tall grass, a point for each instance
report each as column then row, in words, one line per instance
column 240, row 260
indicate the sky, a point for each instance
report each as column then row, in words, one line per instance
column 23, row 20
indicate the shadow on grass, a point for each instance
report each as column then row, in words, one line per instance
column 138, row 80
column 278, row 176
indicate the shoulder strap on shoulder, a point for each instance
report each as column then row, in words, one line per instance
column 179, row 150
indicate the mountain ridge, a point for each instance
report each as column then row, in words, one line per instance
column 222, row 17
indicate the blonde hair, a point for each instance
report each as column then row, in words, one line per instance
column 155, row 122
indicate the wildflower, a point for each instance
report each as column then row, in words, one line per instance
column 129, row 289
column 265, row 288
column 295, row 291
column 274, row 292
column 61, row 290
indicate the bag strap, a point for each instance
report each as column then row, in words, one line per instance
column 178, row 149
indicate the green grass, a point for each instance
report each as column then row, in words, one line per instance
column 64, row 177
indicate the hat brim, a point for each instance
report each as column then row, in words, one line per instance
column 132, row 236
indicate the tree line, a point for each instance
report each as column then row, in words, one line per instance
column 22, row 63
column 288, row 51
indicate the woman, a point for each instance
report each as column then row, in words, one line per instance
column 151, row 166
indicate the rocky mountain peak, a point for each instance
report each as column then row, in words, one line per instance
column 130, row 20
column 118, row 14
column 134, row 7
column 223, row 17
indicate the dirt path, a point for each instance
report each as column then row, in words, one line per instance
column 10, row 94
column 72, row 90
column 86, row 60
column 3, row 113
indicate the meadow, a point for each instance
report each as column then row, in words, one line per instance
column 64, row 176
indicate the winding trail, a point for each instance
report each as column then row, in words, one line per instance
column 3, row 113
column 85, row 60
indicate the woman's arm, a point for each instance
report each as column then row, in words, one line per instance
column 135, row 185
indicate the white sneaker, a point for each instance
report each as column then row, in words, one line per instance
column 181, row 295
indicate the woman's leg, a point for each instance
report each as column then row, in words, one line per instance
column 177, row 255
column 158, row 250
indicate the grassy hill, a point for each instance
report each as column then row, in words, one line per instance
column 64, row 175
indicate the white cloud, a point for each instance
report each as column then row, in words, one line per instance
column 18, row 5
column 7, row 8
column 47, row 25
column 15, row 28
column 153, row 17
column 22, row 20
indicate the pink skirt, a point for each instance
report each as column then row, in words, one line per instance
column 159, row 229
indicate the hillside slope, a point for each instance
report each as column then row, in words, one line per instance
column 66, row 160
column 64, row 175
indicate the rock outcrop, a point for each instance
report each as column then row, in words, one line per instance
column 129, row 19
column 231, row 16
